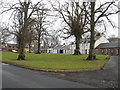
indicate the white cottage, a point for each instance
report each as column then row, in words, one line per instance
column 57, row 48
column 85, row 44
column 67, row 49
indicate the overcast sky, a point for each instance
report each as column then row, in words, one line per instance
column 110, row 31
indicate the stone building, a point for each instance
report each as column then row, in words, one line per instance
column 112, row 48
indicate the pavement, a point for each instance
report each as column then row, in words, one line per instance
column 16, row 77
column 105, row 78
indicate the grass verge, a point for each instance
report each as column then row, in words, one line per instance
column 55, row 61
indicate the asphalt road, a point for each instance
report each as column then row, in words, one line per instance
column 15, row 77
column 106, row 78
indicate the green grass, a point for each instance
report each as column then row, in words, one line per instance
column 55, row 61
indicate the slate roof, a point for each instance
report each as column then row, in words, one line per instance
column 61, row 47
column 44, row 48
column 114, row 44
column 66, row 47
column 58, row 47
column 11, row 44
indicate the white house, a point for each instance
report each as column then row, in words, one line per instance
column 85, row 44
column 57, row 48
column 69, row 48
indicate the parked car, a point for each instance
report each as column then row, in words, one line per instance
column 14, row 51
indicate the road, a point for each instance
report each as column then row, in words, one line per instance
column 15, row 77
column 105, row 78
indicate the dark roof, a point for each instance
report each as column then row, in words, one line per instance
column 43, row 48
column 11, row 44
column 66, row 47
column 58, row 47
column 114, row 44
column 113, row 39
column 61, row 47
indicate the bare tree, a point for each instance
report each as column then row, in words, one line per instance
column 23, row 28
column 96, row 16
column 53, row 41
column 25, row 10
column 5, row 36
column 39, row 26
column 29, row 39
column 76, row 20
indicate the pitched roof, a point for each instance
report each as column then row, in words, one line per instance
column 11, row 44
column 66, row 47
column 44, row 48
column 61, row 47
column 58, row 47
column 114, row 44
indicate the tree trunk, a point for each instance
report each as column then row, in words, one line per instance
column 23, row 30
column 29, row 47
column 38, row 50
column 91, row 55
column 21, row 55
column 77, row 50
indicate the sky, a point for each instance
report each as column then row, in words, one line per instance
column 119, row 22
column 110, row 31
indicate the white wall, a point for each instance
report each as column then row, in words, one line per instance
column 84, row 47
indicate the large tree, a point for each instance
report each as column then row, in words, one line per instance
column 92, row 32
column 39, row 25
column 72, row 13
column 24, row 11
column 97, row 15
column 23, row 28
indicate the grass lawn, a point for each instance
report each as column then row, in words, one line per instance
column 55, row 61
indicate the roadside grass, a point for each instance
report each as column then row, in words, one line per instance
column 55, row 61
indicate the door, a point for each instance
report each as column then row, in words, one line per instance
column 61, row 51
